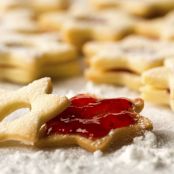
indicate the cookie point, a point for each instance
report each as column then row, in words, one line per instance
column 139, row 104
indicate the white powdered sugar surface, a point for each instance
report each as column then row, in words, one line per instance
column 151, row 153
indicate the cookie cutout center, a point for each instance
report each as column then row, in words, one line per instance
column 10, row 108
column 139, row 51
column 18, row 45
column 92, row 118
column 90, row 20
column 16, row 114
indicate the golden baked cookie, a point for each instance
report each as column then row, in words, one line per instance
column 161, row 28
column 36, row 96
column 159, row 84
column 84, row 120
column 95, row 124
column 19, row 20
column 81, row 27
column 122, row 63
column 24, row 58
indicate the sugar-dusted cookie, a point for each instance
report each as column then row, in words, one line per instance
column 43, row 107
column 80, row 27
column 159, row 84
column 122, row 63
column 79, row 6
column 141, row 8
column 158, row 28
column 24, row 58
column 95, row 124
column 18, row 20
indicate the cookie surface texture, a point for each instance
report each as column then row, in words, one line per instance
column 95, row 124
column 36, row 96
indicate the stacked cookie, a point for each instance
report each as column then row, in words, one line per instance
column 28, row 57
column 27, row 52
column 47, row 37
column 159, row 84
column 123, row 62
column 78, row 28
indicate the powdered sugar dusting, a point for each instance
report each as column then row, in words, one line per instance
column 133, row 48
column 151, row 153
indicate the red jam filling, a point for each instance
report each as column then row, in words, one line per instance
column 92, row 118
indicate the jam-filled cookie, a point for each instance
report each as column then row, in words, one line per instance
column 95, row 124
column 43, row 106
column 84, row 120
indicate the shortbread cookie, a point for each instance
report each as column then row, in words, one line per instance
column 145, row 8
column 158, row 84
column 43, row 107
column 81, row 27
column 63, row 70
column 24, row 76
column 158, row 28
column 115, row 77
column 26, row 58
column 95, row 124
column 79, row 7
column 19, row 20
column 122, row 63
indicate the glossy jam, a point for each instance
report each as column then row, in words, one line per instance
column 92, row 118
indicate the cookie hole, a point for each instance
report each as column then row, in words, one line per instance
column 138, row 50
column 16, row 114
column 18, row 45
column 87, row 19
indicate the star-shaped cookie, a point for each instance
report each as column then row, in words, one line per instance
column 25, row 58
column 122, row 63
column 42, row 104
column 26, row 21
column 159, row 84
column 161, row 28
column 95, row 25
column 95, row 124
